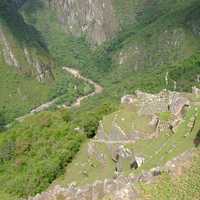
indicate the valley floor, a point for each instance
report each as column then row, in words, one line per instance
column 97, row 90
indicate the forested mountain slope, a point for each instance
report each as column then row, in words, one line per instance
column 138, row 35
column 124, row 46
column 29, row 76
column 22, row 45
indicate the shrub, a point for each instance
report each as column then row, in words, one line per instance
column 36, row 151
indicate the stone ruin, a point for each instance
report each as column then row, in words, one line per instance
column 150, row 105
column 117, row 134
column 122, row 155
column 120, row 188
column 165, row 101
column 138, row 162
column 177, row 103
column 196, row 91
column 127, row 99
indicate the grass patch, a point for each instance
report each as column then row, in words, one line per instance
column 165, row 116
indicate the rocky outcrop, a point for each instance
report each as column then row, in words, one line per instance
column 93, row 18
column 8, row 54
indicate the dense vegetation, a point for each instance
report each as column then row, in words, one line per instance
column 19, row 94
column 20, row 91
column 35, row 152
column 101, row 65
column 186, row 74
column 143, row 25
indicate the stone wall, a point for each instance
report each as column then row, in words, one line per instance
column 165, row 101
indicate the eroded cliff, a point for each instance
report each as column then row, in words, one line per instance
column 21, row 45
column 96, row 19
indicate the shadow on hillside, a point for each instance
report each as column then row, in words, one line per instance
column 21, row 31
column 197, row 139
column 34, row 6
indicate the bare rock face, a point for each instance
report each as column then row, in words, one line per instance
column 9, row 57
column 23, row 59
column 93, row 18
column 21, row 46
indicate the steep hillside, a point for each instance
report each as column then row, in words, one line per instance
column 22, row 46
column 164, row 39
column 29, row 76
column 34, row 153
column 146, row 35
column 24, row 62
column 119, row 47
column 151, row 136
column 95, row 19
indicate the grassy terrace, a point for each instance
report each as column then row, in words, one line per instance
column 83, row 170
column 128, row 120
column 36, row 152
column 157, row 152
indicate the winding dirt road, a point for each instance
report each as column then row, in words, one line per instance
column 76, row 74
column 77, row 103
